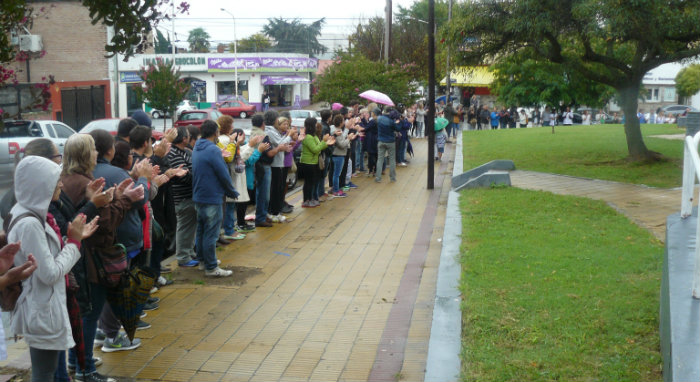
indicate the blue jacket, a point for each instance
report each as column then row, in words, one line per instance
column 130, row 231
column 211, row 179
column 386, row 128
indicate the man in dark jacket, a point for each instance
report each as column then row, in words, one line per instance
column 211, row 181
column 386, row 127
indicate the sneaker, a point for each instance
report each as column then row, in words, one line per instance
column 306, row 204
column 278, row 218
column 96, row 360
column 121, row 342
column 263, row 224
column 147, row 307
column 245, row 228
column 143, row 315
column 166, row 269
column 162, row 281
column 315, row 203
column 288, row 209
column 403, row 164
column 142, row 325
column 250, row 217
column 153, row 300
column 93, row 377
column 154, row 290
column 202, row 267
column 99, row 337
column 346, row 188
column 340, row 194
column 236, row 236
column 352, row 185
column 218, row 272
column 189, row 264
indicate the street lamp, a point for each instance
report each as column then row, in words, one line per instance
column 235, row 49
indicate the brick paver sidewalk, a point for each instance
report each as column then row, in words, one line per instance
column 343, row 292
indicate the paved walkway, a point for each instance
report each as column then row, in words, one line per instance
column 647, row 206
column 343, row 292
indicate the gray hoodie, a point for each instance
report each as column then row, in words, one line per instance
column 276, row 139
column 41, row 315
column 341, row 142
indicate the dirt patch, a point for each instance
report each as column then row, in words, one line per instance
column 195, row 276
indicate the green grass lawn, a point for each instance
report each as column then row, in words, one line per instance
column 597, row 151
column 558, row 287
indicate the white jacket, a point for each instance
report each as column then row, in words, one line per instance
column 41, row 315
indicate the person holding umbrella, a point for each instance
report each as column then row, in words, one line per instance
column 440, row 136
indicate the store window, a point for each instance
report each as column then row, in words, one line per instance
column 653, row 95
column 198, row 90
column 226, row 90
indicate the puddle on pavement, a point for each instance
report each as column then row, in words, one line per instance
column 195, row 276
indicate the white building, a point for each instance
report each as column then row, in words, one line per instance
column 285, row 76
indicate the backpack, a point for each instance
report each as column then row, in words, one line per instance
column 10, row 295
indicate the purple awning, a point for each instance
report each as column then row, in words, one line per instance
column 284, row 80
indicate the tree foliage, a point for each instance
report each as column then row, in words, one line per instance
column 162, row 45
column 198, row 39
column 688, row 80
column 162, row 86
column 255, row 43
column 353, row 74
column 294, row 36
column 409, row 35
column 611, row 42
column 527, row 81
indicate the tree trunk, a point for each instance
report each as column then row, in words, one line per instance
column 635, row 142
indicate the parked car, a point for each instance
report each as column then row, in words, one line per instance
column 237, row 108
column 182, row 106
column 17, row 133
column 111, row 125
column 196, row 117
column 299, row 116
column 676, row 110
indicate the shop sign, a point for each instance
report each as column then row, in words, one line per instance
column 129, row 77
column 181, row 61
column 262, row 64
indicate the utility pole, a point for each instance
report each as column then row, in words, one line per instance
column 430, row 122
column 447, row 62
column 387, row 31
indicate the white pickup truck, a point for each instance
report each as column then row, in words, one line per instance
column 17, row 133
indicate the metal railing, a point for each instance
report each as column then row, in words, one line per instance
column 691, row 171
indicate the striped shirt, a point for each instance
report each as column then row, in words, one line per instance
column 182, row 186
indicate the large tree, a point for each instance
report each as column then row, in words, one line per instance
column 612, row 42
column 350, row 75
column 688, row 80
column 294, row 36
column 198, row 39
column 527, row 81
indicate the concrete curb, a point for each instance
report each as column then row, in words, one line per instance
column 443, row 363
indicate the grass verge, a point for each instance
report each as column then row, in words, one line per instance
column 597, row 151
column 556, row 288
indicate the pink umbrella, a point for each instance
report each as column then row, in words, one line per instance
column 377, row 97
column 337, row 106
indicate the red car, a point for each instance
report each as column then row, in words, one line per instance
column 111, row 125
column 237, row 108
column 196, row 117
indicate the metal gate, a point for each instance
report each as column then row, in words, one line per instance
column 82, row 105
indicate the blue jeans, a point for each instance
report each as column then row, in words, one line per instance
column 401, row 151
column 209, row 218
column 337, row 169
column 262, row 194
column 97, row 301
column 359, row 158
column 61, row 374
column 229, row 218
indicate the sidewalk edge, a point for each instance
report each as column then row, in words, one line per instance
column 443, row 363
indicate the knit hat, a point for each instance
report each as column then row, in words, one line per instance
column 142, row 118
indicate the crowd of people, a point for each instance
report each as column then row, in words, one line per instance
column 77, row 222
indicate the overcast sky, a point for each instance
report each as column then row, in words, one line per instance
column 251, row 16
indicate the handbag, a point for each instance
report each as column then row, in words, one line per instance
column 321, row 161
column 110, row 264
column 239, row 167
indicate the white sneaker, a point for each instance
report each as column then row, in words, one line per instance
column 279, row 218
column 203, row 267
column 218, row 272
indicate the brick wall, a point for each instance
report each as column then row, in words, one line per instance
column 74, row 47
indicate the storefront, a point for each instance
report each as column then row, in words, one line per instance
column 212, row 78
column 467, row 81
